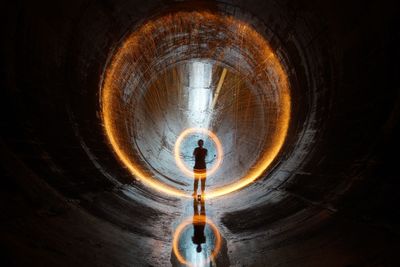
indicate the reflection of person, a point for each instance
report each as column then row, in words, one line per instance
column 199, row 223
column 199, row 168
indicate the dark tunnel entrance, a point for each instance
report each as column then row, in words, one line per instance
column 301, row 96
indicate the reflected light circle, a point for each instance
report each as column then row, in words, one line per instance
column 183, row 225
column 182, row 165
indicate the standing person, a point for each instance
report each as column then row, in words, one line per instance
column 199, row 168
column 199, row 223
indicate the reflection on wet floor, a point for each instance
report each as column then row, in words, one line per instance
column 197, row 240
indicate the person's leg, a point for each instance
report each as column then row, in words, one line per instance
column 203, row 185
column 196, row 183
column 195, row 207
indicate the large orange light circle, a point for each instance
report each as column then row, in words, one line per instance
column 133, row 45
column 182, row 165
column 183, row 225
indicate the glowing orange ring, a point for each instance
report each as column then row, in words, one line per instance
column 182, row 165
column 109, row 88
column 183, row 225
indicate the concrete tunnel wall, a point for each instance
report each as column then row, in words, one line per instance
column 156, row 132
column 328, row 200
column 155, row 103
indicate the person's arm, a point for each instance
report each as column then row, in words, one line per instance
column 194, row 152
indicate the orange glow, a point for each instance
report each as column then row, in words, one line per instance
column 197, row 219
column 182, row 165
column 134, row 168
column 266, row 159
column 111, row 90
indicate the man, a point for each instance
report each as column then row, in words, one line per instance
column 199, row 223
column 199, row 168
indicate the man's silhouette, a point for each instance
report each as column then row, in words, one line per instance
column 199, row 223
column 199, row 168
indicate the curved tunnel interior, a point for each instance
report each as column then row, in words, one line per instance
column 185, row 109
column 196, row 70
column 297, row 103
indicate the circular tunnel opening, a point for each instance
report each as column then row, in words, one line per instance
column 198, row 69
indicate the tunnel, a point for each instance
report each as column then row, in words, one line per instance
column 103, row 102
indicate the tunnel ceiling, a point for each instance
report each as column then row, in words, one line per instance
column 307, row 114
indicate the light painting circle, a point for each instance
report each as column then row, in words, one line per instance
column 182, row 165
column 186, row 223
column 115, row 75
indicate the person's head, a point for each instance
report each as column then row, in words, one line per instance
column 198, row 248
column 200, row 143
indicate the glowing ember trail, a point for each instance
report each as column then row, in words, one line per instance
column 235, row 78
column 179, row 161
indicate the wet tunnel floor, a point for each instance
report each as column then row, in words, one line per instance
column 197, row 240
column 44, row 227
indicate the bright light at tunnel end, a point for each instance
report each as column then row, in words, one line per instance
column 110, row 91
